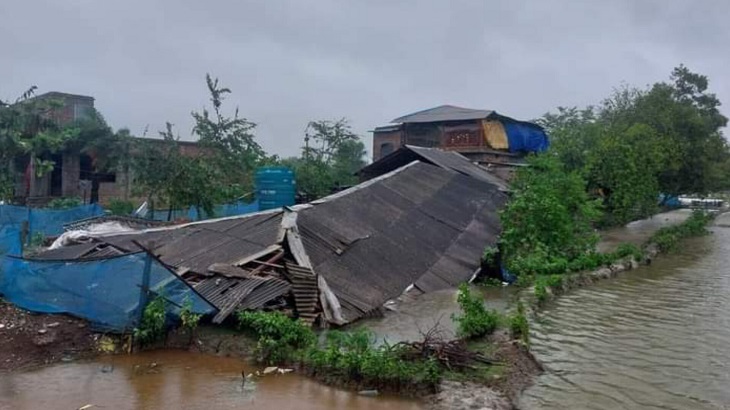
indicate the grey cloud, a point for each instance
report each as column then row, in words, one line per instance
column 289, row 62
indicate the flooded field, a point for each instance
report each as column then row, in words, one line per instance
column 657, row 338
column 175, row 380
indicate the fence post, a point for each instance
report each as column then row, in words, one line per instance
column 145, row 288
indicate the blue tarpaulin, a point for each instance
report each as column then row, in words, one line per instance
column 105, row 292
column 524, row 137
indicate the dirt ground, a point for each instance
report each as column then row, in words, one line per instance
column 30, row 340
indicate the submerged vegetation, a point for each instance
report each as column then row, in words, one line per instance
column 668, row 238
column 474, row 320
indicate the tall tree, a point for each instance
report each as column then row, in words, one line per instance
column 332, row 153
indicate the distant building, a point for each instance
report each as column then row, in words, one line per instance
column 74, row 173
column 482, row 136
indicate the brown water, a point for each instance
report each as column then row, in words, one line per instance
column 178, row 380
column 657, row 338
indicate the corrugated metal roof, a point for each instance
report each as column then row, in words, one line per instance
column 420, row 224
column 198, row 246
column 444, row 113
column 374, row 241
column 230, row 294
column 444, row 159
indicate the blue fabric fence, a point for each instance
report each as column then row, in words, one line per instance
column 48, row 222
column 105, row 292
column 220, row 211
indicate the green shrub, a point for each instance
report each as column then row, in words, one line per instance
column 668, row 238
column 519, row 326
column 64, row 203
column 628, row 249
column 353, row 355
column 475, row 320
column 120, row 207
column 548, row 220
column 541, row 292
column 190, row 319
column 279, row 337
column 489, row 256
column 152, row 326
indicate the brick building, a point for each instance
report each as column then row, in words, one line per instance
column 74, row 173
column 482, row 136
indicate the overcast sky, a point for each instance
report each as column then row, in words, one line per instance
column 289, row 62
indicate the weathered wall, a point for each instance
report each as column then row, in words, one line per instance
column 383, row 141
column 70, row 172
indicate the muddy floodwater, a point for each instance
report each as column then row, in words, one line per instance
column 654, row 338
column 175, row 380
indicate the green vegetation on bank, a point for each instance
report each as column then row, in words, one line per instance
column 152, row 327
column 607, row 166
column 668, row 238
column 354, row 357
column 474, row 320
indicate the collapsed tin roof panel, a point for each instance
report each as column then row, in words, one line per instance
column 419, row 225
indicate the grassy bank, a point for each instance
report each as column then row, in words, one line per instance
column 597, row 266
column 353, row 359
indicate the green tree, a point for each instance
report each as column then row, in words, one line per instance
column 550, row 216
column 221, row 171
column 331, row 155
column 639, row 143
column 27, row 129
column 229, row 142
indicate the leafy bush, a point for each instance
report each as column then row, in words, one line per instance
column 475, row 320
column 548, row 220
column 279, row 337
column 152, row 327
column 541, row 292
column 354, row 355
column 64, row 203
column 120, row 207
column 489, row 257
column 628, row 249
column 668, row 238
column 519, row 326
column 190, row 319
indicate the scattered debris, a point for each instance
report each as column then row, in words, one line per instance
column 270, row 370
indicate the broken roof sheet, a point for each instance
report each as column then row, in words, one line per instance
column 197, row 246
column 420, row 224
column 444, row 113
column 445, row 159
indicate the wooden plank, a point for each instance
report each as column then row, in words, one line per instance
column 257, row 255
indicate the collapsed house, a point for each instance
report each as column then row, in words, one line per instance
column 420, row 227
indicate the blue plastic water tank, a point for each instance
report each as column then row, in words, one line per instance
column 275, row 187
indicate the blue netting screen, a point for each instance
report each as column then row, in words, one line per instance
column 220, row 211
column 106, row 292
column 48, row 222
